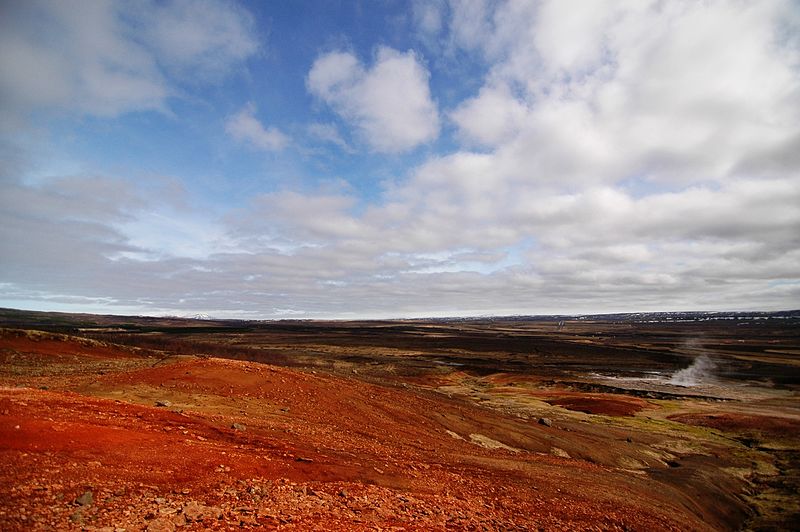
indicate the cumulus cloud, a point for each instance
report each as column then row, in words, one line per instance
column 390, row 103
column 492, row 117
column 106, row 58
column 675, row 91
column 245, row 127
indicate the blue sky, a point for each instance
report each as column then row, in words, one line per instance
column 389, row 159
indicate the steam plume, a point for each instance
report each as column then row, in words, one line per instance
column 700, row 371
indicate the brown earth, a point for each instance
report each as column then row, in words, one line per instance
column 359, row 446
column 594, row 404
column 731, row 421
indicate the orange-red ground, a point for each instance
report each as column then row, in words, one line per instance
column 239, row 444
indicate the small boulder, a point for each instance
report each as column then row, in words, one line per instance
column 547, row 422
column 561, row 453
column 239, row 427
column 86, row 499
column 163, row 403
column 192, row 511
column 161, row 524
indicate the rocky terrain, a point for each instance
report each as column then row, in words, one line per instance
column 395, row 426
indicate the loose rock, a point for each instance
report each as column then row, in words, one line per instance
column 86, row 499
column 193, row 511
column 162, row 524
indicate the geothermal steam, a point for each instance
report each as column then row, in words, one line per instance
column 701, row 370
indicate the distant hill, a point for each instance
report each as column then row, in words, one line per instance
column 63, row 321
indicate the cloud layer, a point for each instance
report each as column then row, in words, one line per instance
column 106, row 58
column 611, row 157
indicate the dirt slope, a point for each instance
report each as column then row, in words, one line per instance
column 245, row 444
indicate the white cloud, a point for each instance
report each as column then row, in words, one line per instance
column 633, row 156
column 428, row 15
column 329, row 133
column 106, row 58
column 72, row 55
column 199, row 38
column 390, row 104
column 492, row 117
column 471, row 24
column 334, row 73
column 603, row 91
column 245, row 127
column 599, row 249
column 159, row 233
column 570, row 35
column 305, row 219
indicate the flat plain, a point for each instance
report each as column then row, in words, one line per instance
column 634, row 422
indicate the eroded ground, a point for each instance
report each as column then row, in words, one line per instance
column 365, row 431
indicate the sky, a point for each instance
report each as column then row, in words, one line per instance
column 388, row 159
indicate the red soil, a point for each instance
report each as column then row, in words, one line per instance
column 599, row 404
column 317, row 452
column 589, row 403
column 735, row 422
column 57, row 346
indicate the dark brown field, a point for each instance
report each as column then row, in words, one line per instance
column 528, row 424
